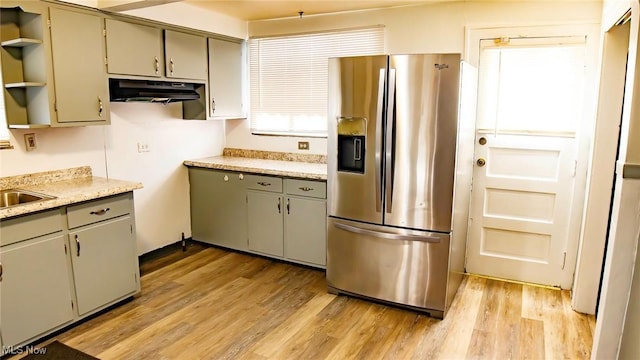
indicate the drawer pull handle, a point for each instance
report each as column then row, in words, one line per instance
column 262, row 183
column 1, row 271
column 77, row 246
column 288, row 206
column 279, row 206
column 305, row 188
column 100, row 212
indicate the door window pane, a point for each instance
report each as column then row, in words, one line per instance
column 531, row 88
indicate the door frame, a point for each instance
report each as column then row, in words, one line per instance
column 584, row 134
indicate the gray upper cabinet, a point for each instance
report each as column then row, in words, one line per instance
column 134, row 49
column 25, row 66
column 78, row 51
column 185, row 55
column 225, row 79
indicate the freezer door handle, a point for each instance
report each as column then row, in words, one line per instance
column 380, row 115
column 386, row 235
column 391, row 117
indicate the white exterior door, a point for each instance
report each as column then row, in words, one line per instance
column 529, row 109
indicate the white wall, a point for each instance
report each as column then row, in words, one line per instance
column 162, row 206
column 617, row 329
column 192, row 16
column 428, row 28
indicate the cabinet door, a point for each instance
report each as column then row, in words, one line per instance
column 81, row 85
column 218, row 208
column 133, row 49
column 104, row 263
column 35, row 294
column 265, row 222
column 305, row 230
column 185, row 55
column 225, row 79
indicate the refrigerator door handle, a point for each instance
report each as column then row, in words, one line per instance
column 391, row 117
column 386, row 235
column 378, row 162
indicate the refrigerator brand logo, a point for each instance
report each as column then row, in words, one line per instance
column 441, row 66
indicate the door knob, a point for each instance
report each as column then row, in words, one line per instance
column 481, row 162
column 482, row 140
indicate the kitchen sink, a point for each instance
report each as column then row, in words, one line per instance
column 13, row 197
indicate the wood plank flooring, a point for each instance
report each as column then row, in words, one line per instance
column 210, row 303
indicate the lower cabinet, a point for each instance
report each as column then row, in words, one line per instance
column 53, row 274
column 287, row 219
column 218, row 208
column 283, row 218
column 35, row 294
column 265, row 222
column 306, row 230
column 103, row 256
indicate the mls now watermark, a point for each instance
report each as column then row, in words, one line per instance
column 23, row 350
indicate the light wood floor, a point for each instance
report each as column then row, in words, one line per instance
column 216, row 304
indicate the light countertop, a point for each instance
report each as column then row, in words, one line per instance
column 296, row 169
column 75, row 189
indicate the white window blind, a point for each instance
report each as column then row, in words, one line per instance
column 288, row 78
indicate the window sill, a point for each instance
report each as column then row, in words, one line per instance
column 288, row 134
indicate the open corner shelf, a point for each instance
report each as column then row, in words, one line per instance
column 29, row 126
column 20, row 42
column 24, row 84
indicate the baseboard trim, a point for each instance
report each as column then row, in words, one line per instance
column 165, row 250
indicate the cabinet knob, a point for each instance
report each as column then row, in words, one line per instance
column 241, row 176
column 225, row 178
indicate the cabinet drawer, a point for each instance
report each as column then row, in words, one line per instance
column 266, row 183
column 98, row 210
column 316, row 189
column 30, row 226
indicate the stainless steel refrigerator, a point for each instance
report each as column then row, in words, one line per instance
column 391, row 163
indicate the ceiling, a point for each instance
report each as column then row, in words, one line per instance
column 268, row 9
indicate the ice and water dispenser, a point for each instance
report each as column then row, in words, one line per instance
column 351, row 144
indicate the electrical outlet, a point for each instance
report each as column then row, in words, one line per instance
column 30, row 141
column 143, row 147
column 303, row 145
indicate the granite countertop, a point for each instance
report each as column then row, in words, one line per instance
column 69, row 186
column 267, row 163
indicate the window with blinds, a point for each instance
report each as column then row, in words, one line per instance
column 288, row 78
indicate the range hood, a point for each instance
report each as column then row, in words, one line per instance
column 151, row 91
